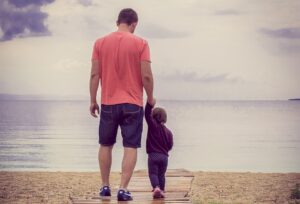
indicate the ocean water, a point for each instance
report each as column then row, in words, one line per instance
column 257, row 136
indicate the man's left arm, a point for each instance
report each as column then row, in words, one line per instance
column 94, row 84
column 148, row 116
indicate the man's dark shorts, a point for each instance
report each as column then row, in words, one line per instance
column 129, row 117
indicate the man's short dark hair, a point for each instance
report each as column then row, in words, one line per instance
column 127, row 16
column 160, row 115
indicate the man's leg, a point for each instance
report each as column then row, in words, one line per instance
column 128, row 164
column 104, row 158
column 131, row 123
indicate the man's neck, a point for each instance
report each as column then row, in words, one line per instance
column 124, row 28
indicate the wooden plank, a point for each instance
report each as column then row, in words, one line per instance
column 172, row 184
column 129, row 202
column 178, row 184
column 170, row 189
column 169, row 173
column 148, row 195
column 134, row 199
column 170, row 179
column 134, row 202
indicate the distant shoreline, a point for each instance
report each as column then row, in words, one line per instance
column 31, row 97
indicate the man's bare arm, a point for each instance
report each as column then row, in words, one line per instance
column 94, row 84
column 147, row 79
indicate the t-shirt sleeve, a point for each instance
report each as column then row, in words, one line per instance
column 145, row 54
column 95, row 54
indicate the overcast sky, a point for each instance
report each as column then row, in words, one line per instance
column 205, row 49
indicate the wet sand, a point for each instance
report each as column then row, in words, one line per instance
column 207, row 187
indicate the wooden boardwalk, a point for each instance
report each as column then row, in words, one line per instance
column 178, row 184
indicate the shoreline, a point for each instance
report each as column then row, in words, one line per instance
column 119, row 171
column 207, row 187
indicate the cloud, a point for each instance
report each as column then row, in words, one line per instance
column 22, row 3
column 289, row 48
column 205, row 78
column 85, row 2
column 22, row 18
column 151, row 30
column 226, row 12
column 287, row 33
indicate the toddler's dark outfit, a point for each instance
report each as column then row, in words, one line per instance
column 159, row 143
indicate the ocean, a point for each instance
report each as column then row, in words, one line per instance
column 255, row 136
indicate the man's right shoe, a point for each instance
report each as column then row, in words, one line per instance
column 104, row 191
column 124, row 195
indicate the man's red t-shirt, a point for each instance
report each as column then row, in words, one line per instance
column 120, row 55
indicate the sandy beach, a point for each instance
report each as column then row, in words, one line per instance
column 220, row 187
column 207, row 187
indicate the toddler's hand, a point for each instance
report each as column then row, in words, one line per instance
column 151, row 101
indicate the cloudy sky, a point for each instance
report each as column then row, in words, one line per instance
column 200, row 49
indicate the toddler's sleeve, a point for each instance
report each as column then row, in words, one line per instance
column 170, row 141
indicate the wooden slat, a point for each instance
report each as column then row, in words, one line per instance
column 178, row 184
column 169, row 173
column 173, row 184
column 133, row 202
column 129, row 202
column 148, row 196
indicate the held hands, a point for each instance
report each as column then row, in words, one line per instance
column 151, row 101
column 93, row 109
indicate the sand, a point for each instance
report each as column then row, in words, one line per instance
column 207, row 187
column 48, row 187
column 213, row 187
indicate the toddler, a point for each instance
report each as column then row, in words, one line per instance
column 159, row 143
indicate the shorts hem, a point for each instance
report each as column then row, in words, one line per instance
column 132, row 146
column 106, row 144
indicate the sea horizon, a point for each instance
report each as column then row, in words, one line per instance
column 225, row 136
column 54, row 97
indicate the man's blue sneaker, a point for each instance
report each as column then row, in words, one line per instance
column 124, row 195
column 104, row 191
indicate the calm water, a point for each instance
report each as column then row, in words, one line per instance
column 255, row 136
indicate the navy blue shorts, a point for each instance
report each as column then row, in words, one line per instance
column 129, row 117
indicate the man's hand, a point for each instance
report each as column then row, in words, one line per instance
column 151, row 101
column 93, row 109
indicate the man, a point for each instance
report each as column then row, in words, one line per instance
column 121, row 63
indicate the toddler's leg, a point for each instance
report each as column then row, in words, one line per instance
column 162, row 171
column 153, row 172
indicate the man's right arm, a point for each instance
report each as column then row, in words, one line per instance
column 147, row 79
